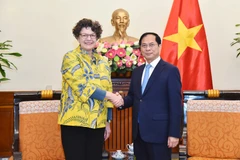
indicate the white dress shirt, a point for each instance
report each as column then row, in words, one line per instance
column 153, row 65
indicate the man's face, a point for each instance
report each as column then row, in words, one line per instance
column 150, row 48
column 121, row 21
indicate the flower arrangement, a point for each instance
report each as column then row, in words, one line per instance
column 122, row 57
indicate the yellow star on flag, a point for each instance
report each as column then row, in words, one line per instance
column 185, row 37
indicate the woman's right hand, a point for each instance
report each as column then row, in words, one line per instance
column 116, row 99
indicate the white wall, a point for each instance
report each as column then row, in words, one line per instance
column 41, row 31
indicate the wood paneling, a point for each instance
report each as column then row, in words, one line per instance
column 6, row 123
column 121, row 125
column 6, row 98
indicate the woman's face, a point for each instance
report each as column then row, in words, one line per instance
column 87, row 39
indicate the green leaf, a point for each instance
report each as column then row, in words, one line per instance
column 233, row 43
column 3, row 48
column 128, row 69
column 114, row 67
column 2, row 71
column 238, row 54
column 7, row 41
column 13, row 65
column 4, row 79
column 135, row 46
column 5, row 61
column 13, row 54
column 236, row 40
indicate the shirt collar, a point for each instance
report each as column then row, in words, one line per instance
column 155, row 62
column 82, row 51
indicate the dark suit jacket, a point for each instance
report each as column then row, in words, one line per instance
column 159, row 107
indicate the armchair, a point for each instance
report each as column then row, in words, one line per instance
column 36, row 132
column 213, row 128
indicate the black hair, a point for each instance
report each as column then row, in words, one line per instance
column 157, row 37
column 84, row 23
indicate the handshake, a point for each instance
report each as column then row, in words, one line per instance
column 116, row 99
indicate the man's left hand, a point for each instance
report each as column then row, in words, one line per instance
column 172, row 142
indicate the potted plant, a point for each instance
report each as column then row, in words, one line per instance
column 4, row 62
column 237, row 40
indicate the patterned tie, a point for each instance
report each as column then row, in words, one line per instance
column 146, row 77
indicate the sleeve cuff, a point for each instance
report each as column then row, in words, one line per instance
column 98, row 94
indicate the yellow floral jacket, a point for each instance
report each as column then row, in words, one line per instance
column 81, row 76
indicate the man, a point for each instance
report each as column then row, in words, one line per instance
column 157, row 109
column 120, row 20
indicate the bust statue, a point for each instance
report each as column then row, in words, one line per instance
column 120, row 20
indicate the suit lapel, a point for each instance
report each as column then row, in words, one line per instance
column 156, row 72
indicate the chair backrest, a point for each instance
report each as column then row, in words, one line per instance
column 36, row 132
column 39, row 133
column 213, row 129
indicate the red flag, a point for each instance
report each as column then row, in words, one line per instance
column 185, row 45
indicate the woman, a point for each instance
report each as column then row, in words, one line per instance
column 85, row 110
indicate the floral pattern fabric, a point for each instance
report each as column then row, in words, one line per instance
column 81, row 76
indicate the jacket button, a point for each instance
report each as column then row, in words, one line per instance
column 140, row 100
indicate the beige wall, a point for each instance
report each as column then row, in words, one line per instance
column 41, row 31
